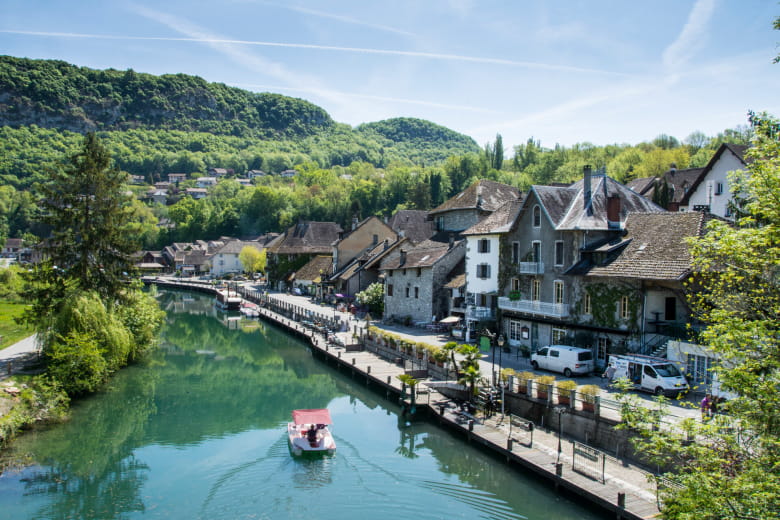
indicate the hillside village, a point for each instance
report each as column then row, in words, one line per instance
column 594, row 264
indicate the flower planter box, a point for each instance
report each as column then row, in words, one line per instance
column 588, row 407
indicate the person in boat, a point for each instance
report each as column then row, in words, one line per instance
column 311, row 435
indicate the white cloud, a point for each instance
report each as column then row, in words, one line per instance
column 691, row 38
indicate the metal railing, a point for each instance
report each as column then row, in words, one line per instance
column 530, row 267
column 539, row 308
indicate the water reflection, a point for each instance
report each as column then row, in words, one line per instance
column 199, row 432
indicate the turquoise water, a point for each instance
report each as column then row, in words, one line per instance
column 199, row 433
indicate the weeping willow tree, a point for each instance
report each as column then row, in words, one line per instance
column 90, row 317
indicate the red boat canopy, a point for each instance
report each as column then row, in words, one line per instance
column 317, row 416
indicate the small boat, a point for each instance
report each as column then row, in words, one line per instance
column 309, row 433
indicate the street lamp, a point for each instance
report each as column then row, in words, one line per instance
column 500, row 343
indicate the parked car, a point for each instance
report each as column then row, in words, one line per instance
column 563, row 358
column 650, row 374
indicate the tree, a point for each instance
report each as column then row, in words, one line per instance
column 253, row 260
column 732, row 470
column 374, row 297
column 89, row 213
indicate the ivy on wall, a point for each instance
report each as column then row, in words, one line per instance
column 605, row 299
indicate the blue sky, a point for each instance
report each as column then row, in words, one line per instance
column 563, row 72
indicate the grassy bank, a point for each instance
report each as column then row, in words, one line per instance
column 39, row 401
column 10, row 331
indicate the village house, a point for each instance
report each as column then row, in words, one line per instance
column 225, row 258
column 415, row 277
column 355, row 250
column 218, row 172
column 712, row 192
column 555, row 226
column 413, row 224
column 292, row 249
column 630, row 291
column 206, row 182
column 197, row 193
column 176, row 178
column 483, row 265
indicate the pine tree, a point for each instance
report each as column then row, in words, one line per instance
column 88, row 211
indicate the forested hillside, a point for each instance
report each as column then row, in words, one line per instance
column 343, row 173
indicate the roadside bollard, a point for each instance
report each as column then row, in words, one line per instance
column 558, row 469
column 621, row 500
column 471, row 425
column 441, row 409
column 368, row 369
column 509, row 444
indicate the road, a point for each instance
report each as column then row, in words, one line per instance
column 14, row 358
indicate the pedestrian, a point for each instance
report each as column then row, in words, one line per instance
column 608, row 374
column 706, row 407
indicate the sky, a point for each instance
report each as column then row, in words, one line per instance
column 565, row 72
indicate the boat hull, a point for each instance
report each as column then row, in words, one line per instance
column 300, row 443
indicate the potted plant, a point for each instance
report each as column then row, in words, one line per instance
column 439, row 356
column 543, row 386
column 589, row 394
column 522, row 381
column 564, row 391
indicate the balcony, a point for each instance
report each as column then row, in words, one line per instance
column 480, row 313
column 530, row 268
column 537, row 308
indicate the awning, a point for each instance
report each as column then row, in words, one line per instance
column 316, row 416
column 450, row 319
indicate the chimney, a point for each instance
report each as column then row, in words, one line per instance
column 403, row 258
column 613, row 212
column 586, row 190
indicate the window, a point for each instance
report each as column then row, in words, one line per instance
column 718, row 188
column 558, row 292
column 558, row 336
column 407, row 292
column 483, row 271
column 535, row 286
column 537, row 216
column 624, row 307
column 375, row 239
column 404, row 272
column 698, row 368
column 390, row 273
column 536, row 252
column 515, row 284
column 515, row 252
column 390, row 289
column 559, row 252
column 587, row 306
column 483, row 245
column 482, row 300
column 670, row 309
column 440, row 224
column 419, row 272
column 515, row 330
column 416, row 292
column 601, row 349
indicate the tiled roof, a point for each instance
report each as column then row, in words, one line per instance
column 307, row 237
column 424, row 254
column 456, row 282
column 482, row 195
column 500, row 221
column 656, row 248
column 643, row 186
column 311, row 271
column 413, row 223
column 234, row 247
column 682, row 180
column 567, row 209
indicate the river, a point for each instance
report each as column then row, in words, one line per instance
column 198, row 432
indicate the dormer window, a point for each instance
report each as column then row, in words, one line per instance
column 537, row 216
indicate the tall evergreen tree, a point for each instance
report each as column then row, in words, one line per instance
column 88, row 211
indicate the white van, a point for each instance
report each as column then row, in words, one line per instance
column 651, row 374
column 565, row 359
